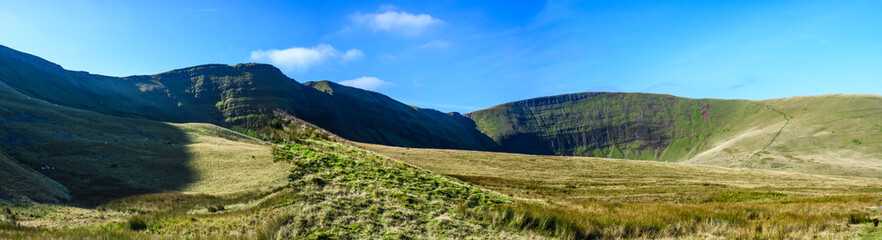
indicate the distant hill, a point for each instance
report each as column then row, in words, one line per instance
column 241, row 95
column 832, row 134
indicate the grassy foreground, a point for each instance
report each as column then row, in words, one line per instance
column 594, row 198
column 335, row 191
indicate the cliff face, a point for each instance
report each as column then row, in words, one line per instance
column 227, row 95
column 619, row 125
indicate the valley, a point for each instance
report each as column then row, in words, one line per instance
column 244, row 152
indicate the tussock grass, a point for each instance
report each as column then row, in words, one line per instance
column 346, row 192
column 603, row 220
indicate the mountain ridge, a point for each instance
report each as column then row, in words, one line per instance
column 244, row 95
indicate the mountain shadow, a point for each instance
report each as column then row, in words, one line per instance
column 78, row 157
column 525, row 143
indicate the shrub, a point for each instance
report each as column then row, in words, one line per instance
column 137, row 223
column 858, row 218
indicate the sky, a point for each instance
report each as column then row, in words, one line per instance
column 464, row 56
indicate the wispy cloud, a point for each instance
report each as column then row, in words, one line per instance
column 439, row 44
column 399, row 22
column 301, row 59
column 368, row 83
column 352, row 55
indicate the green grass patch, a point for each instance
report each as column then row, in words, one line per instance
column 728, row 197
column 247, row 132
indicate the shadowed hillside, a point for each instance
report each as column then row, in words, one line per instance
column 59, row 154
column 367, row 116
column 244, row 95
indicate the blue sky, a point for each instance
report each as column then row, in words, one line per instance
column 468, row 55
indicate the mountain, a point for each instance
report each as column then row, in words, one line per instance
column 243, row 95
column 367, row 116
column 832, row 134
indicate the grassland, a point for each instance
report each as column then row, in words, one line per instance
column 582, row 197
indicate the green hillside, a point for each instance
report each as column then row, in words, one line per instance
column 830, row 134
column 834, row 134
column 618, row 125
column 244, row 95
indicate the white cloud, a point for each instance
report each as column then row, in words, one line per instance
column 301, row 59
column 352, row 55
column 369, row 83
column 397, row 21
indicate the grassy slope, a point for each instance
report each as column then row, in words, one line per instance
column 831, row 134
column 19, row 182
column 93, row 155
column 612, row 198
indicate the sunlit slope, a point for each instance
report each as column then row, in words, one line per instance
column 598, row 198
column 830, row 134
column 95, row 157
column 588, row 178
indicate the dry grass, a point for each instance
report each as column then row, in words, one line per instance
column 610, row 199
column 225, row 165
